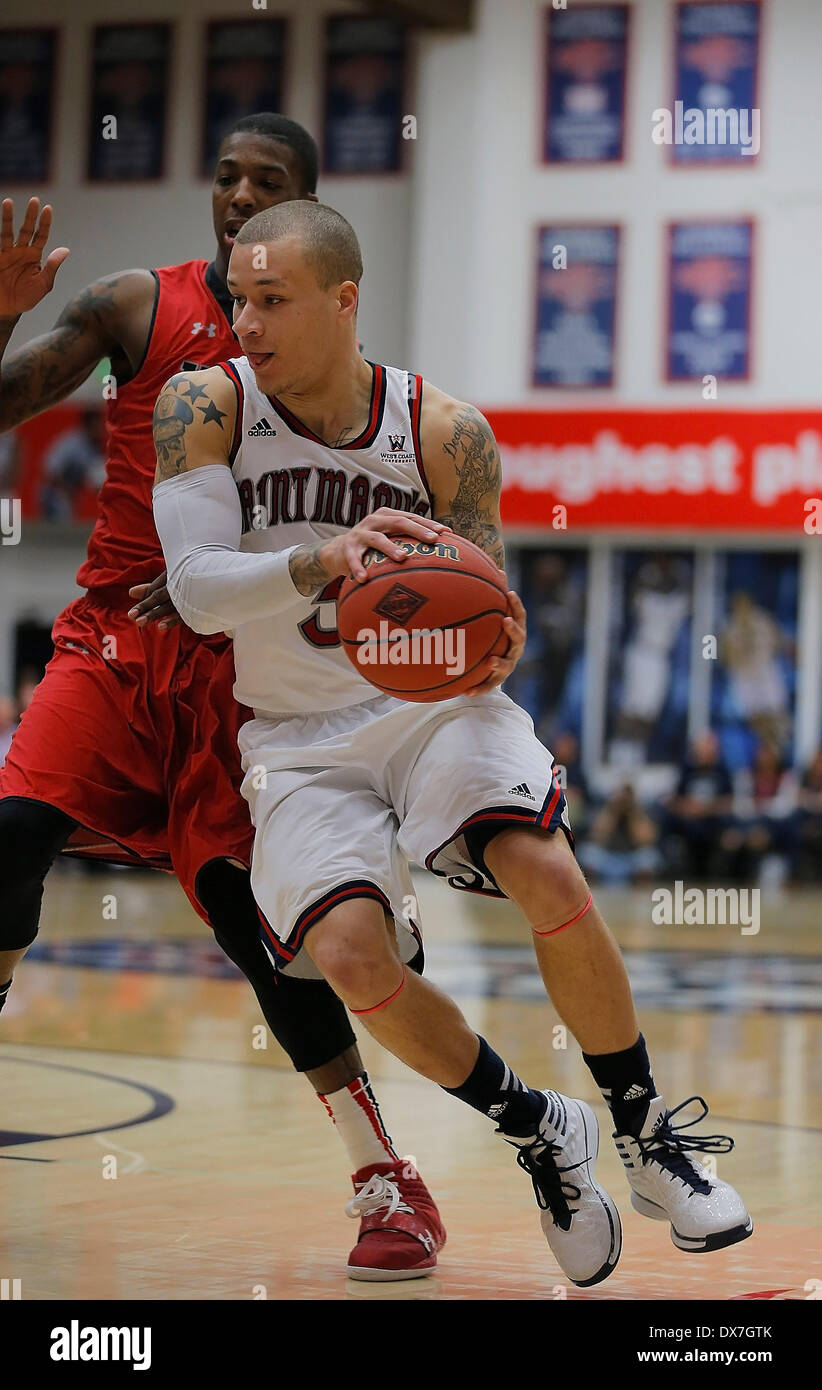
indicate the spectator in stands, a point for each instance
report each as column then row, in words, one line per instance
column 622, row 846
column 701, row 806
column 808, row 862
column 751, row 647
column 760, row 842
column 660, row 604
column 8, row 724
column 565, row 749
column 74, row 461
column 556, row 612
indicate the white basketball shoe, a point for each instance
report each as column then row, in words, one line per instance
column 668, row 1185
column 579, row 1218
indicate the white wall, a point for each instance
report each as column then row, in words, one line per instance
column 479, row 191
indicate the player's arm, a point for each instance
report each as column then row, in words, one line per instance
column 214, row 586
column 111, row 315
column 462, row 465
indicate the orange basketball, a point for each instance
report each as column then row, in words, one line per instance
column 425, row 627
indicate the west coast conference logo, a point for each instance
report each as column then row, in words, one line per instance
column 397, row 453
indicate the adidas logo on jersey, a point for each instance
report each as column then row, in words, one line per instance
column 522, row 790
column 261, row 429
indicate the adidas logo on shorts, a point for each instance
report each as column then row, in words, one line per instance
column 260, row 429
column 522, row 790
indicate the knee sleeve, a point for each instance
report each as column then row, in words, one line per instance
column 32, row 834
column 308, row 1020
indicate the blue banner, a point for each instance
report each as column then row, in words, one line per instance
column 709, row 301
column 364, row 86
column 27, row 60
column 244, row 74
column 575, row 306
column 715, row 118
column 129, row 101
column 584, row 117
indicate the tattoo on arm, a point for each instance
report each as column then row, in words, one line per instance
column 52, row 366
column 306, row 570
column 473, row 511
column 172, row 416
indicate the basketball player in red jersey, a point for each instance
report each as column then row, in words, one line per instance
column 129, row 748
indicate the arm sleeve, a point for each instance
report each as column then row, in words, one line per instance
column 215, row 586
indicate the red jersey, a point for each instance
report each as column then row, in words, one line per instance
column 189, row 329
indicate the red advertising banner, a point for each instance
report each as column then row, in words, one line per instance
column 650, row 469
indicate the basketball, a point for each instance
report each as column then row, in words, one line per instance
column 424, row 628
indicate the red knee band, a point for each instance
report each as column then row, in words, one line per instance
column 571, row 920
column 391, row 997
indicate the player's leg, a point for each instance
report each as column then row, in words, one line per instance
column 74, row 760
column 326, row 864
column 554, row 1136
column 209, row 827
column 31, row 836
column 487, row 762
column 585, row 977
column 400, row 1226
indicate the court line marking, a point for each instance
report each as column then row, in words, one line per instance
column 162, row 1103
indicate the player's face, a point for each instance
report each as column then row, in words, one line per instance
column 253, row 172
column 288, row 326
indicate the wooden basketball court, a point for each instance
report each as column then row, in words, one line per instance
column 131, row 1039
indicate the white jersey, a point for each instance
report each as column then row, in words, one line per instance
column 295, row 489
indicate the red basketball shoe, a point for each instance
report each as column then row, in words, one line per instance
column 400, row 1227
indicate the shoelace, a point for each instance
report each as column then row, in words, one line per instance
column 676, row 1146
column 552, row 1190
column 378, row 1192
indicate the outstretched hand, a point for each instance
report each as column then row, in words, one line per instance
column 23, row 280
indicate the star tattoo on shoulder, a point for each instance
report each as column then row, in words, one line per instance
column 195, row 391
column 211, row 412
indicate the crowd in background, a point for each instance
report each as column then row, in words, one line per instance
column 758, row 825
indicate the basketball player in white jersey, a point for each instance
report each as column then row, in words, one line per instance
column 305, row 456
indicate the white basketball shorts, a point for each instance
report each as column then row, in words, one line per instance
column 341, row 801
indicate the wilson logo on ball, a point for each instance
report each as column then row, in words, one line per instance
column 441, row 549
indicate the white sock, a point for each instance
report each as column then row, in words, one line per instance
column 357, row 1118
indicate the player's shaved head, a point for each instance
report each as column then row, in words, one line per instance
column 329, row 241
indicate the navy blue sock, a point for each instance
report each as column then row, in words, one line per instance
column 626, row 1083
column 498, row 1093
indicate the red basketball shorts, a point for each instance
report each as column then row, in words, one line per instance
column 133, row 733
